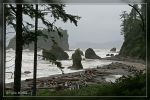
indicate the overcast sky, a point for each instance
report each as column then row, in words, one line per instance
column 99, row 23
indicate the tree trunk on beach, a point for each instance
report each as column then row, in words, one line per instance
column 18, row 57
column 35, row 52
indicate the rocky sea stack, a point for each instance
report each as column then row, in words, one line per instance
column 76, row 57
column 90, row 54
column 45, row 43
column 56, row 53
column 113, row 49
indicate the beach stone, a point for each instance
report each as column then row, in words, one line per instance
column 107, row 54
column 27, row 72
column 76, row 57
column 113, row 49
column 90, row 54
column 56, row 53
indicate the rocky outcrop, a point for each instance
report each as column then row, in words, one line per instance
column 44, row 43
column 76, row 57
column 113, row 50
column 56, row 53
column 109, row 54
column 90, row 54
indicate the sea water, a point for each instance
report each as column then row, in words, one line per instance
column 46, row 68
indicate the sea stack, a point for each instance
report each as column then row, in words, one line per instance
column 56, row 53
column 113, row 50
column 90, row 54
column 76, row 57
column 45, row 43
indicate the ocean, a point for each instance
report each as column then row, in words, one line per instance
column 46, row 68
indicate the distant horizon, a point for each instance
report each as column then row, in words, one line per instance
column 98, row 23
column 105, row 45
column 94, row 47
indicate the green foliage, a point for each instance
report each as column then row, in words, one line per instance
column 125, row 86
column 9, row 14
column 55, row 12
column 56, row 53
column 29, row 37
column 58, row 12
column 48, row 55
column 134, row 45
column 52, row 58
column 131, row 85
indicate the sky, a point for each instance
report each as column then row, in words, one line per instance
column 99, row 23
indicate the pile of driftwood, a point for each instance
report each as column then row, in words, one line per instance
column 68, row 81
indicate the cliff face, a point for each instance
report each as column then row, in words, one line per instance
column 45, row 43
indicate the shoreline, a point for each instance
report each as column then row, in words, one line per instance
column 88, row 76
column 119, row 58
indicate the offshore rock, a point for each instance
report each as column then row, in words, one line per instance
column 44, row 43
column 90, row 54
column 76, row 57
column 113, row 50
column 56, row 53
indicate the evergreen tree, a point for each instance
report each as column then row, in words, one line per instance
column 57, row 12
column 18, row 54
column 35, row 52
column 133, row 29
